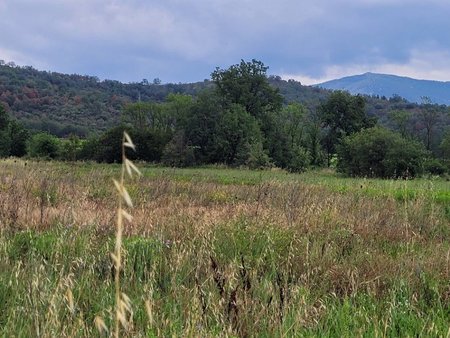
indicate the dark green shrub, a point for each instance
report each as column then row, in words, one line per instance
column 177, row 153
column 257, row 157
column 299, row 160
column 378, row 152
column 108, row 147
column 5, row 139
column 19, row 137
column 70, row 148
column 43, row 145
column 150, row 144
column 434, row 167
column 5, row 143
column 89, row 148
column 404, row 158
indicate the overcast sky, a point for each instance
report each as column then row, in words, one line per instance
column 184, row 40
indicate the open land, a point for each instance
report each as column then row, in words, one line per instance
column 223, row 252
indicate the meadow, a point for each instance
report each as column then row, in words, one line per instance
column 218, row 252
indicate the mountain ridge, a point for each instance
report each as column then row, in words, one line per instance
column 389, row 85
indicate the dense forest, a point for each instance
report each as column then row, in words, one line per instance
column 240, row 117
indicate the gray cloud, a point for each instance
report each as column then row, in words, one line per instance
column 185, row 40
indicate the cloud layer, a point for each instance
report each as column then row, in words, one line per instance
column 178, row 40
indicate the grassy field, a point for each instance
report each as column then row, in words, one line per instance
column 220, row 252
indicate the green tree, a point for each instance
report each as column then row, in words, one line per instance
column 236, row 132
column 4, row 118
column 313, row 141
column 142, row 115
column 5, row 143
column 293, row 118
column 401, row 119
column 201, row 125
column 150, row 144
column 429, row 115
column 89, row 148
column 342, row 114
column 19, row 137
column 70, row 148
column 445, row 145
column 43, row 145
column 246, row 84
column 276, row 141
column 107, row 148
column 177, row 153
column 177, row 108
column 5, row 138
column 378, row 152
column 299, row 160
column 257, row 156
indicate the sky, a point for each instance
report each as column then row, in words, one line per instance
column 310, row 41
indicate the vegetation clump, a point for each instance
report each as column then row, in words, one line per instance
column 378, row 152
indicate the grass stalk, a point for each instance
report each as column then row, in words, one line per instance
column 121, row 301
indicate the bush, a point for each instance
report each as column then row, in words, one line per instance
column 19, row 137
column 378, row 152
column 43, row 145
column 5, row 143
column 108, row 147
column 70, row 148
column 445, row 145
column 300, row 160
column 404, row 158
column 435, row 167
column 89, row 148
column 150, row 144
column 177, row 153
column 257, row 157
column 5, row 139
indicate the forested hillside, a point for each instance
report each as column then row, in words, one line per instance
column 65, row 104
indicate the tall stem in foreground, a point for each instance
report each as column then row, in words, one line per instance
column 118, row 246
column 122, row 302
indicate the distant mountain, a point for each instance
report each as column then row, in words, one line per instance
column 391, row 85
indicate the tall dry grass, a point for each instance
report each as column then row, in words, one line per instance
column 203, row 258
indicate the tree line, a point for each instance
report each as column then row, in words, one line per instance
column 243, row 121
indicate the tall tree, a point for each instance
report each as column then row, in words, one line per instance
column 246, row 84
column 429, row 115
column 143, row 115
column 236, row 131
column 201, row 125
column 401, row 119
column 445, row 144
column 176, row 109
column 5, row 137
column 313, row 140
column 293, row 117
column 4, row 118
column 19, row 137
column 342, row 114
